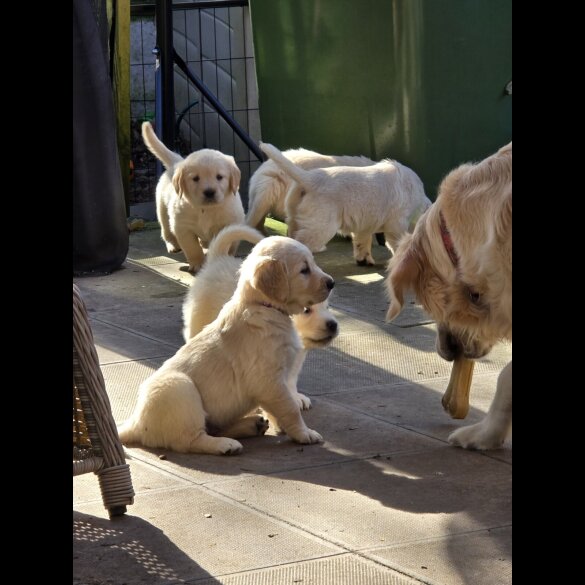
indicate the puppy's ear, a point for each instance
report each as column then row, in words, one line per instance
column 271, row 279
column 402, row 275
column 235, row 175
column 179, row 181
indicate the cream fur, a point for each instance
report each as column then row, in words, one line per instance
column 383, row 197
column 195, row 197
column 269, row 184
column 472, row 303
column 237, row 363
column 215, row 284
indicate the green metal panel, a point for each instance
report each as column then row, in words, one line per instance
column 421, row 81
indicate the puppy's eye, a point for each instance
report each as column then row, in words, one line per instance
column 219, row 177
column 308, row 310
column 196, row 178
column 474, row 296
column 306, row 270
column 303, row 192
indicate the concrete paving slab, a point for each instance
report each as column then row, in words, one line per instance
column 145, row 478
column 370, row 358
column 168, row 535
column 478, row 558
column 386, row 500
column 344, row 569
column 114, row 344
column 348, row 436
column 162, row 323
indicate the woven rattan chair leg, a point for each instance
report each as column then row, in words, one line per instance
column 116, row 488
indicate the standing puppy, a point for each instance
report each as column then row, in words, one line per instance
column 269, row 184
column 200, row 400
column 384, row 197
column 195, row 197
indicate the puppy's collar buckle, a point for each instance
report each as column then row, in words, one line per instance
column 448, row 241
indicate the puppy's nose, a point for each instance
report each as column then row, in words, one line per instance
column 209, row 193
column 332, row 326
column 330, row 283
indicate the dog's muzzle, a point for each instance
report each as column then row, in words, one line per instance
column 450, row 346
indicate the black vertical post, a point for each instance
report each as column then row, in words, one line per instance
column 165, row 115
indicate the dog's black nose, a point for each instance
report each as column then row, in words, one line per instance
column 332, row 326
column 209, row 193
column 330, row 283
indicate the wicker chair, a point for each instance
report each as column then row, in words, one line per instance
column 96, row 445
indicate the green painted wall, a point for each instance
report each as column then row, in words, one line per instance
column 421, row 81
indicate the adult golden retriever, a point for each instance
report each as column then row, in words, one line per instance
column 195, row 197
column 203, row 398
column 458, row 261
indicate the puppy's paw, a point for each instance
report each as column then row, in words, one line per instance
column 172, row 248
column 194, row 268
column 303, row 401
column 262, row 425
column 366, row 261
column 308, row 437
column 227, row 446
column 479, row 436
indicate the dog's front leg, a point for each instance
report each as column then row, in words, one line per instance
column 304, row 402
column 284, row 409
column 362, row 249
column 191, row 247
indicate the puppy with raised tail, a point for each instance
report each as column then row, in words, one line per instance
column 215, row 284
column 383, row 197
column 269, row 184
column 200, row 400
column 195, row 197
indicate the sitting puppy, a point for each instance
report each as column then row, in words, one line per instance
column 458, row 261
column 268, row 185
column 215, row 284
column 384, row 197
column 237, row 363
column 195, row 197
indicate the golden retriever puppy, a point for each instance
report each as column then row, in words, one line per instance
column 458, row 261
column 215, row 284
column 268, row 185
column 195, row 197
column 384, row 197
column 201, row 399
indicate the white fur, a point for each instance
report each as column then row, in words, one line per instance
column 237, row 363
column 383, row 197
column 216, row 282
column 188, row 217
column 269, row 184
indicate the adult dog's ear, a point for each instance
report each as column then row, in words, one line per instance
column 403, row 271
column 179, row 181
column 271, row 279
column 235, row 175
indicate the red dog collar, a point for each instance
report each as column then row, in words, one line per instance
column 447, row 241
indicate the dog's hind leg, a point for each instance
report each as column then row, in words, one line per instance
column 362, row 249
column 165, row 227
column 491, row 432
column 259, row 209
column 249, row 426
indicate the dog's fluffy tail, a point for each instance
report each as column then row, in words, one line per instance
column 299, row 174
column 127, row 432
column 166, row 156
column 228, row 236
